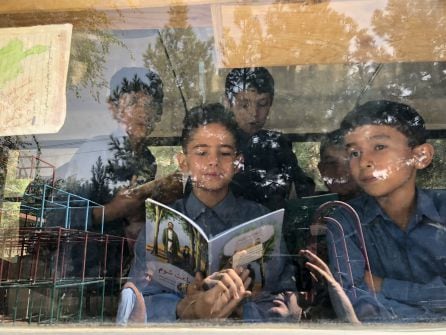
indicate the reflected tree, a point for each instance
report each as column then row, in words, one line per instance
column 90, row 45
column 401, row 21
column 100, row 190
column 182, row 59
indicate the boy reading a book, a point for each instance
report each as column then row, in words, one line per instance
column 404, row 227
column 210, row 158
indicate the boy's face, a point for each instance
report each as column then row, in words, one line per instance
column 335, row 170
column 251, row 110
column 381, row 162
column 210, row 158
column 138, row 112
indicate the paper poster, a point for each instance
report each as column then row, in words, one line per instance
column 33, row 76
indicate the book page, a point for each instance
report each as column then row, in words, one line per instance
column 33, row 76
column 258, row 239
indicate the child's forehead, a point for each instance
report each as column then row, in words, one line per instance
column 370, row 132
column 212, row 132
column 251, row 93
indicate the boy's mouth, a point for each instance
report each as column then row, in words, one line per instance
column 212, row 174
column 368, row 179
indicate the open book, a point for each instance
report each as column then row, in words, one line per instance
column 177, row 248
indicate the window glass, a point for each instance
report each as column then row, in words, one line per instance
column 92, row 116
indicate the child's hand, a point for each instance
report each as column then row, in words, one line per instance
column 223, row 292
column 341, row 303
column 317, row 266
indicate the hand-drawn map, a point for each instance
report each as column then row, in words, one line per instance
column 33, row 76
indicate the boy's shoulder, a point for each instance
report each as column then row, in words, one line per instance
column 430, row 203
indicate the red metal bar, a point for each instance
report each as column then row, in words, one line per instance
column 84, row 260
column 57, row 254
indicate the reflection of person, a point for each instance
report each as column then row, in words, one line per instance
column 103, row 166
column 403, row 226
column 210, row 153
column 334, row 167
column 136, row 103
column 289, row 305
column 171, row 243
column 132, row 306
column 339, row 300
column 270, row 169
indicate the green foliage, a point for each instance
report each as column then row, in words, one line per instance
column 127, row 163
column 89, row 51
column 435, row 175
column 307, row 154
column 100, row 191
column 186, row 55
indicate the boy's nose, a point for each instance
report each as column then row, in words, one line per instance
column 365, row 161
column 252, row 111
column 213, row 159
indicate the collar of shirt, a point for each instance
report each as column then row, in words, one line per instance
column 425, row 207
column 195, row 207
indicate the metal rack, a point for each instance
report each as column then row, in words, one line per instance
column 55, row 265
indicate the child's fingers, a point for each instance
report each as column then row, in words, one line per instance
column 314, row 259
column 326, row 274
column 228, row 279
column 228, row 308
column 280, row 308
column 247, row 282
column 224, row 290
column 235, row 277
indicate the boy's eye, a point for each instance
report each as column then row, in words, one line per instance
column 200, row 153
column 379, row 147
column 354, row 153
column 263, row 104
column 227, row 153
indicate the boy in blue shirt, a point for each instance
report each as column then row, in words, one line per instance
column 404, row 227
column 210, row 158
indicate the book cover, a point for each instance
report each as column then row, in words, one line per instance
column 177, row 248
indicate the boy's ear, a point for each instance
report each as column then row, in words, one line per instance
column 182, row 162
column 423, row 155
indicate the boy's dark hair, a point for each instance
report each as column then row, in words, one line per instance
column 207, row 114
column 388, row 113
column 136, row 79
column 242, row 79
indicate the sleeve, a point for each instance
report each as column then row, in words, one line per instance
column 127, row 302
column 347, row 265
column 424, row 295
